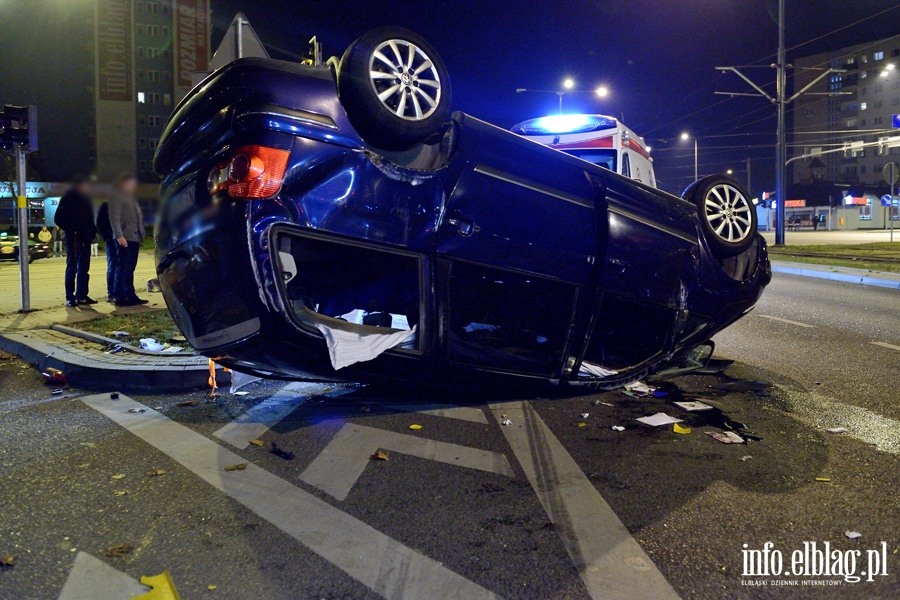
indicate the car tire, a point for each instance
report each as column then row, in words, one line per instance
column 394, row 87
column 727, row 215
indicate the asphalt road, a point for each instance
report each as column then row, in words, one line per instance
column 466, row 507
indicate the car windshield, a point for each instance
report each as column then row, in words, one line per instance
column 602, row 158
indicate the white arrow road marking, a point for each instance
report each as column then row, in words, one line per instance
column 449, row 411
column 611, row 563
column 265, row 415
column 382, row 564
column 92, row 578
column 339, row 465
column 886, row 345
column 788, row 321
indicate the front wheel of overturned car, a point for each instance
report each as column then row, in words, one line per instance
column 394, row 87
column 727, row 214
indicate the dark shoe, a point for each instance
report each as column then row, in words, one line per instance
column 125, row 303
column 86, row 300
column 111, row 299
column 71, row 302
column 137, row 300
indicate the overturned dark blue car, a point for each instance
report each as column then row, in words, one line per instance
column 335, row 221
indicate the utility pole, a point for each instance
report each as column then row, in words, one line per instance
column 24, row 250
column 749, row 187
column 696, row 170
column 780, row 101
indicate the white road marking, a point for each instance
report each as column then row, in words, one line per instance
column 886, row 345
column 265, row 415
column 339, row 465
column 611, row 563
column 377, row 561
column 788, row 321
column 449, row 411
column 92, row 578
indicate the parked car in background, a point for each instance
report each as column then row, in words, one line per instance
column 335, row 220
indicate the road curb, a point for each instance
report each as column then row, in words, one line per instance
column 841, row 277
column 93, row 373
column 102, row 339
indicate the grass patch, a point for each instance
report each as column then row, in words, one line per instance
column 873, row 257
column 156, row 324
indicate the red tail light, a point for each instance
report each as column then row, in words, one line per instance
column 252, row 172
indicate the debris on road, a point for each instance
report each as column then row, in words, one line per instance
column 9, row 560
column 211, row 587
column 837, row 430
column 415, row 427
column 684, row 430
column 137, row 410
column 117, row 333
column 188, row 403
column 582, row 424
column 638, row 389
column 57, row 392
column 726, row 437
column 257, row 442
column 617, row 428
column 286, row 455
column 163, row 587
column 824, row 479
column 119, row 550
column 599, row 402
column 379, row 456
column 506, row 422
column 585, row 415
column 114, row 396
column 746, row 458
column 237, row 467
column 853, row 534
column 693, row 405
column 121, row 493
column 658, row 419
column 120, row 476
column 151, row 345
column 155, row 472
column 52, row 375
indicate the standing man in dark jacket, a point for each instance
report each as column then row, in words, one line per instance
column 75, row 216
column 106, row 232
column 127, row 223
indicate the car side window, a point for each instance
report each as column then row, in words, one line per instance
column 626, row 165
column 628, row 333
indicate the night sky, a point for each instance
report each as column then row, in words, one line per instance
column 656, row 56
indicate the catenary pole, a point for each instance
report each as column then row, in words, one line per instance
column 22, row 210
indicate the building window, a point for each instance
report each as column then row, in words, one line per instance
column 879, row 103
column 167, row 99
column 164, row 9
column 142, row 120
column 152, row 143
column 878, row 56
column 142, row 98
column 142, row 143
column 140, row 6
column 863, row 74
column 140, row 51
column 862, row 106
column 167, row 75
column 165, row 31
column 166, row 54
column 865, row 212
column 154, row 120
column 143, row 166
column 141, row 75
column 153, row 75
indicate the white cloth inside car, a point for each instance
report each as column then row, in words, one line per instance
column 348, row 347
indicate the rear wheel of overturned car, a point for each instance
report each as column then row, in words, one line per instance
column 727, row 215
column 394, row 87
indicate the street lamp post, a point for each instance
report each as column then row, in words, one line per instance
column 686, row 136
column 567, row 88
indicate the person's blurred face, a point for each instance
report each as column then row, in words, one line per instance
column 129, row 185
column 83, row 188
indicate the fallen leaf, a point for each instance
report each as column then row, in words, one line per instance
column 237, row 467
column 582, row 424
column 8, row 561
column 379, row 456
column 119, row 550
column 823, row 479
column 257, row 442
column 155, row 472
column 188, row 403
column 121, row 493
column 120, row 476
column 211, row 587
column 415, row 427
column 681, row 429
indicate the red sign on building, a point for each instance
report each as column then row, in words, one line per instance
column 114, row 81
column 191, row 42
column 794, row 203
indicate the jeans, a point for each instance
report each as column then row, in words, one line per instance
column 78, row 261
column 112, row 247
column 126, row 261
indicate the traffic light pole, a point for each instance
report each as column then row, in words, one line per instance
column 22, row 210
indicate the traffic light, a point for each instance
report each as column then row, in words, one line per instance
column 19, row 127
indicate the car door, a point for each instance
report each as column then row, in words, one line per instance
column 517, row 246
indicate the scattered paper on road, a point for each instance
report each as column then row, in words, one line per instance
column 659, row 419
column 837, row 430
column 853, row 534
column 684, row 430
column 617, row 428
column 726, row 437
column 693, row 405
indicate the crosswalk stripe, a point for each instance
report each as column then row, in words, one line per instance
column 788, row 321
column 339, row 465
column 612, row 565
column 90, row 577
column 379, row 562
column 448, row 411
column 886, row 345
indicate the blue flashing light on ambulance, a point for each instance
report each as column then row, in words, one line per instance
column 599, row 139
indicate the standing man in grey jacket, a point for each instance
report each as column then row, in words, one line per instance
column 127, row 223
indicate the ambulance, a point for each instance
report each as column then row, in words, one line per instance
column 598, row 139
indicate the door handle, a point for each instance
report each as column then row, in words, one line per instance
column 463, row 226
